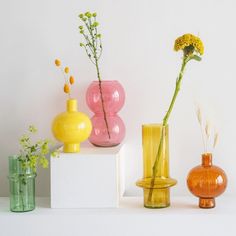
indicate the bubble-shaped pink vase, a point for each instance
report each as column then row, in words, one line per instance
column 108, row 127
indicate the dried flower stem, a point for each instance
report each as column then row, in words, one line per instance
column 216, row 140
column 199, row 117
column 207, row 131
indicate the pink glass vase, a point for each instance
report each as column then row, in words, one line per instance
column 105, row 99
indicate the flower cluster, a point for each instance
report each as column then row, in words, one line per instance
column 89, row 30
column 189, row 43
column 69, row 80
column 32, row 154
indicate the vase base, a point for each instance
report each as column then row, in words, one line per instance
column 106, row 145
column 160, row 198
column 206, row 203
column 71, row 147
column 157, row 207
column 20, row 210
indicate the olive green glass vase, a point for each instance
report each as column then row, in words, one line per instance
column 157, row 192
column 22, row 186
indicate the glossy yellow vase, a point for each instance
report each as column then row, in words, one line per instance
column 158, row 195
column 71, row 127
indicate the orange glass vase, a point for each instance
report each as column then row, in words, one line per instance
column 207, row 181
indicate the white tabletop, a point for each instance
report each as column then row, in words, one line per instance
column 131, row 219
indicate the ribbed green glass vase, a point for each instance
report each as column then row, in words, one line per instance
column 22, row 186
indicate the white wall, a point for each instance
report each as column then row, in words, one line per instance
column 138, row 39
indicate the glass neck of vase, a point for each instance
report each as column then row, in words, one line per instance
column 207, row 159
column 71, row 105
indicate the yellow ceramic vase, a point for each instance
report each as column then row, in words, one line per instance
column 71, row 127
column 158, row 195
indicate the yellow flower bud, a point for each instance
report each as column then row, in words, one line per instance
column 66, row 88
column 66, row 70
column 57, row 62
column 72, row 80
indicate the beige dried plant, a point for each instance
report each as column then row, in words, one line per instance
column 206, row 131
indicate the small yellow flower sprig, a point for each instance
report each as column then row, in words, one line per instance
column 69, row 80
column 206, row 131
column 33, row 154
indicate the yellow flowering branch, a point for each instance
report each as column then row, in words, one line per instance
column 189, row 44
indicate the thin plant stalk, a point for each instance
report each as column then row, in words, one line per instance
column 207, row 131
column 21, row 194
column 101, row 93
column 199, row 116
column 164, row 124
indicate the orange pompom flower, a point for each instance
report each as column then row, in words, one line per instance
column 66, row 88
column 57, row 62
column 72, row 80
column 67, row 70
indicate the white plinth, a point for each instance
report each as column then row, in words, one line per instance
column 92, row 178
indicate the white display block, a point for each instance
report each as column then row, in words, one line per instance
column 92, row 178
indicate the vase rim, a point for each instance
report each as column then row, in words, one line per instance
column 153, row 125
column 71, row 99
column 207, row 154
column 14, row 156
column 105, row 81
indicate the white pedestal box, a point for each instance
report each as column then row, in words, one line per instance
column 92, row 178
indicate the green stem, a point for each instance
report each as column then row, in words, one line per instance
column 164, row 124
column 21, row 194
column 102, row 100
column 99, row 77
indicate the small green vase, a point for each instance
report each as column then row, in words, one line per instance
column 22, row 186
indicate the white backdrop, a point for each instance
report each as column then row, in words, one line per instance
column 138, row 38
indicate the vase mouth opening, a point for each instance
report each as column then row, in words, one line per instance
column 105, row 81
column 206, row 154
column 14, row 157
column 159, row 125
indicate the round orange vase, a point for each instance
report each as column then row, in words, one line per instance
column 206, row 181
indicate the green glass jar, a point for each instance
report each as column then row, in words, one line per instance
column 22, row 186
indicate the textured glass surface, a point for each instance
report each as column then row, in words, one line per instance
column 22, row 186
column 160, row 196
column 207, row 181
column 113, row 100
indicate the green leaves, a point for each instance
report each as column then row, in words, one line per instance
column 196, row 58
column 33, row 154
